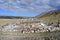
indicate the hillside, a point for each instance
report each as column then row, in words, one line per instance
column 50, row 16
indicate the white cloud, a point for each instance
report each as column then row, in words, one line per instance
column 29, row 5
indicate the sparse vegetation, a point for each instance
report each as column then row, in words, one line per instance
column 50, row 16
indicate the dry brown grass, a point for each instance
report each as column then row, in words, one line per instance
column 5, row 21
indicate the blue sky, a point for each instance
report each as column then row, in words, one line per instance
column 27, row 7
column 14, row 13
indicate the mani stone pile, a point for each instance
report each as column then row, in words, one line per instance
column 31, row 25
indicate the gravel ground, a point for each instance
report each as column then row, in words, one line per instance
column 32, row 36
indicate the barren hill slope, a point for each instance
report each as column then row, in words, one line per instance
column 49, row 16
